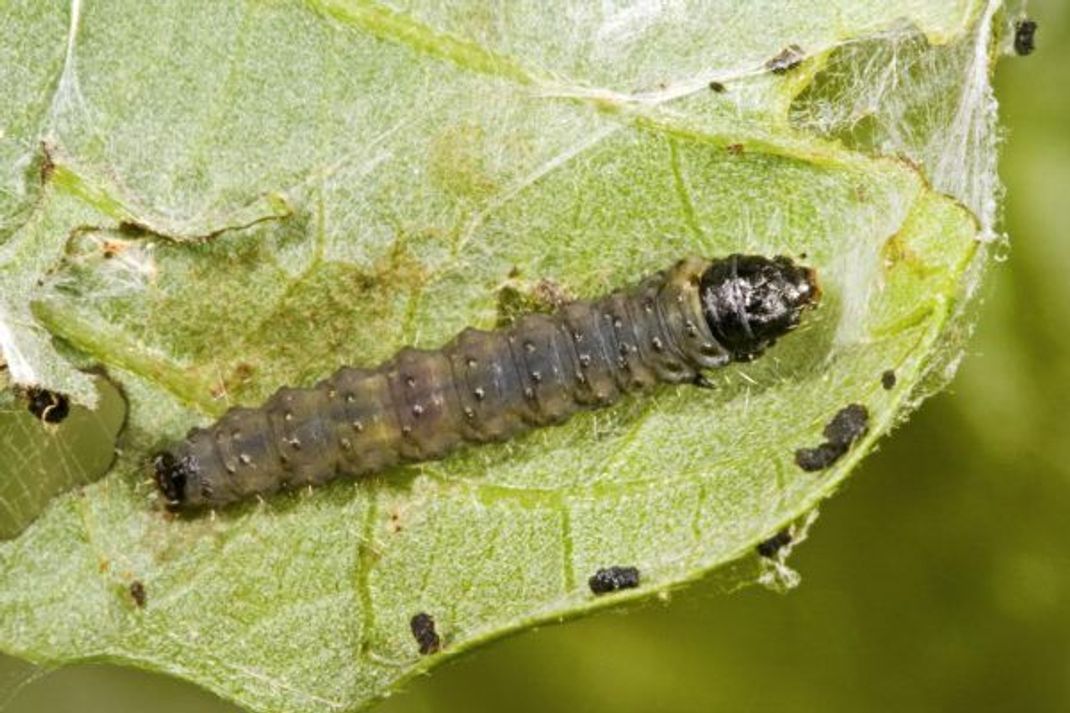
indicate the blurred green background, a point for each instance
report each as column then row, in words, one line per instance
column 939, row 579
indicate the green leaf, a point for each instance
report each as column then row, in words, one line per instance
column 210, row 200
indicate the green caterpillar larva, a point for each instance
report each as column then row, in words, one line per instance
column 487, row 386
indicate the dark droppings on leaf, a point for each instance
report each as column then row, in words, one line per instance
column 137, row 593
column 48, row 166
column 717, row 87
column 847, row 426
column 613, row 579
column 1025, row 41
column 774, row 544
column 888, row 380
column 423, row 630
column 788, row 59
column 814, row 459
column 47, row 405
column 133, row 229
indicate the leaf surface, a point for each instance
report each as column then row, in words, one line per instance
column 210, row 201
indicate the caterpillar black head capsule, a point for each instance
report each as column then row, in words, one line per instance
column 750, row 301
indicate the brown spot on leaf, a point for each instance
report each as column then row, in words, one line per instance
column 552, row 293
column 517, row 297
column 895, row 252
column 788, row 59
column 240, row 377
column 111, row 248
column 137, row 593
column 48, row 165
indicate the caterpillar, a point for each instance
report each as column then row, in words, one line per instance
column 489, row 386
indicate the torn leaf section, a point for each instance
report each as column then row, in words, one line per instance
column 110, row 201
column 82, row 223
column 100, row 341
column 26, row 260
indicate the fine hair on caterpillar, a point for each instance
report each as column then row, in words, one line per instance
column 489, row 386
